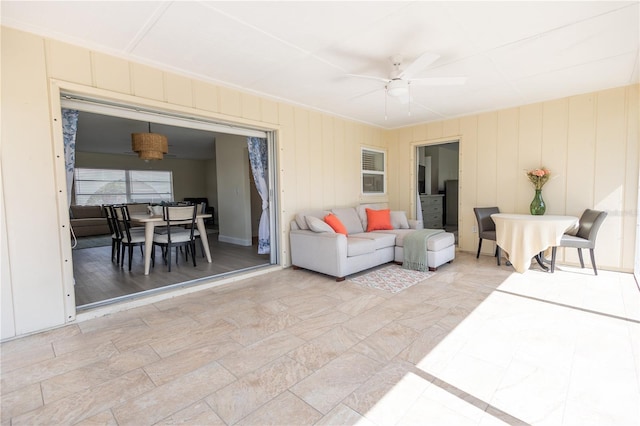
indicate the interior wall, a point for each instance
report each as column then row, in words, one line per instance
column 589, row 142
column 234, row 197
column 189, row 176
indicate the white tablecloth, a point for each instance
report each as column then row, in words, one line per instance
column 523, row 236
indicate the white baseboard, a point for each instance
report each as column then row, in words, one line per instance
column 233, row 240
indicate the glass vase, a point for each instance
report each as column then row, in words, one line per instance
column 537, row 206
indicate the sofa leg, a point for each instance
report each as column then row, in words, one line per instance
column 339, row 279
column 295, row 268
column 432, row 269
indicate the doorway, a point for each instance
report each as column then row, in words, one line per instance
column 437, row 174
column 199, row 152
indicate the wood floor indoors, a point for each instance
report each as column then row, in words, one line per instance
column 474, row 344
column 99, row 279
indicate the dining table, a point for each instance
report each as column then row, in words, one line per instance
column 525, row 236
column 150, row 221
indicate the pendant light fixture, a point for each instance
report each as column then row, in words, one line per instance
column 149, row 146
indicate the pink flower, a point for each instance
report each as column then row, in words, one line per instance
column 538, row 172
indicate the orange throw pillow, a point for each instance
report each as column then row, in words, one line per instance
column 378, row 219
column 335, row 223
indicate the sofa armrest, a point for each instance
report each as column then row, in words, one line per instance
column 322, row 252
column 416, row 224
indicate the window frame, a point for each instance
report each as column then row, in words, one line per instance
column 128, row 193
column 364, row 174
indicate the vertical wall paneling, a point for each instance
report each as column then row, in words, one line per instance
column 177, row 90
column 507, row 171
column 486, row 155
column 38, row 300
column 7, row 323
column 529, row 152
column 631, row 220
column 230, row 102
column 467, row 240
column 205, row 96
column 580, row 154
column 148, row 82
column 340, row 166
column 269, row 111
column 609, row 172
column 250, row 107
column 315, row 165
column 111, row 73
column 327, row 139
column 554, row 153
column 303, row 197
column 68, row 62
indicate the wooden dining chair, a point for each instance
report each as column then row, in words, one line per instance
column 588, row 227
column 176, row 235
column 130, row 238
column 486, row 227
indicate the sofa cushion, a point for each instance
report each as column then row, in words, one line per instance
column 360, row 246
column 350, row 219
column 440, row 241
column 399, row 235
column 318, row 225
column 380, row 239
column 301, row 221
column 362, row 211
column 399, row 220
column 335, row 223
column 378, row 219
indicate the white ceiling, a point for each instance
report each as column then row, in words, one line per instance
column 512, row 53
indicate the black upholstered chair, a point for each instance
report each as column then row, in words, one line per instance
column 486, row 226
column 585, row 238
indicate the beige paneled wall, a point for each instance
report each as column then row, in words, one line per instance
column 589, row 142
column 318, row 156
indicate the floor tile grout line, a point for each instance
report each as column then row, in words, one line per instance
column 577, row 308
column 467, row 397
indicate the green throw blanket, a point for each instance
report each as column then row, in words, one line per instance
column 415, row 249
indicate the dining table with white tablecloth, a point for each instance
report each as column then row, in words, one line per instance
column 524, row 236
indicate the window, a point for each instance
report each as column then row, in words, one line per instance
column 373, row 172
column 112, row 186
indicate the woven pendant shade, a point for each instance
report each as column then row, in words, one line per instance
column 149, row 146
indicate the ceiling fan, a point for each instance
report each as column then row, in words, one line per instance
column 400, row 80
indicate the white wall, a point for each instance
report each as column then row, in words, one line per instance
column 234, row 192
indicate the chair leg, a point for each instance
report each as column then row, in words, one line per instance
column 498, row 254
column 122, row 250
column 580, row 256
column 553, row 259
column 193, row 250
column 130, row 256
column 169, row 257
column 593, row 261
column 479, row 247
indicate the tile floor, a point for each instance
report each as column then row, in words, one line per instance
column 476, row 344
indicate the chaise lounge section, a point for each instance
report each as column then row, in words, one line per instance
column 316, row 246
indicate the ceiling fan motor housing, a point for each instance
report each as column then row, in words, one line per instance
column 397, row 87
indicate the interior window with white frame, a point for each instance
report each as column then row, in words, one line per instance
column 373, row 171
column 113, row 186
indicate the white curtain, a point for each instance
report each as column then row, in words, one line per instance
column 258, row 156
column 69, row 130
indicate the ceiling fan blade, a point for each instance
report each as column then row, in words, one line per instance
column 439, row 81
column 422, row 62
column 364, row 94
column 370, row 77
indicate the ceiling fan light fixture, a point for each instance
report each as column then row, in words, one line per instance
column 149, row 146
column 397, row 88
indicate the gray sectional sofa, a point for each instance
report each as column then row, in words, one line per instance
column 316, row 247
